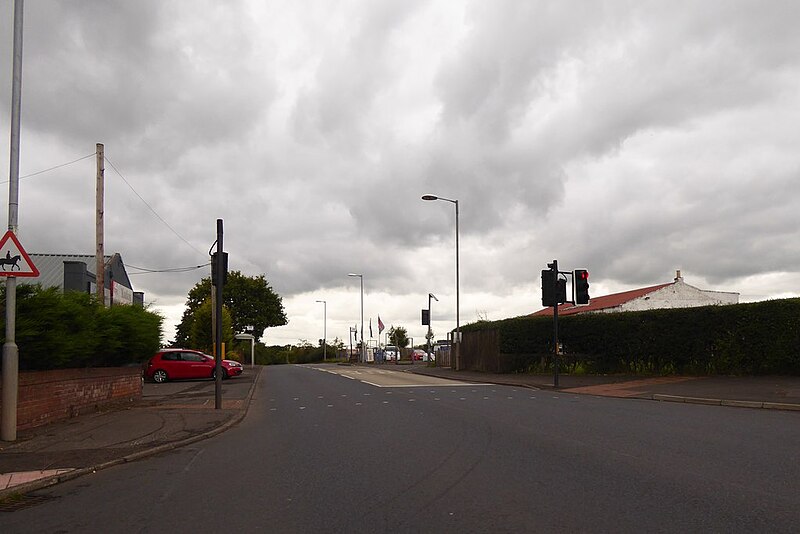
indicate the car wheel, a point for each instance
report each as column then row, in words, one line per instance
column 214, row 374
column 160, row 376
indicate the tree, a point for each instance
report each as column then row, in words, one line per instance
column 200, row 332
column 249, row 299
column 398, row 336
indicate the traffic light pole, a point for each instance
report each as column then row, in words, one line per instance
column 554, row 267
column 218, row 284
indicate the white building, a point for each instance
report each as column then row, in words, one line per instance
column 676, row 294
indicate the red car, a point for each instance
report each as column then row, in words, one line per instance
column 178, row 364
column 418, row 354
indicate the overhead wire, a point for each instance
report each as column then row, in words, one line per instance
column 114, row 167
column 150, row 207
column 145, row 270
column 53, row 168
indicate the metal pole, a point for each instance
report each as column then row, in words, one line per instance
column 324, row 329
column 429, row 327
column 555, row 324
column 218, row 323
column 363, row 347
column 252, row 352
column 458, row 304
column 8, row 423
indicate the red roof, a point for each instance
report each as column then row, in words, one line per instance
column 602, row 303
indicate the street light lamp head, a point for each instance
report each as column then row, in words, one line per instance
column 431, row 295
column 430, row 197
column 353, row 274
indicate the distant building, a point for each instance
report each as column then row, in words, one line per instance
column 77, row 272
column 676, row 294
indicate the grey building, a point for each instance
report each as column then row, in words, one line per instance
column 77, row 272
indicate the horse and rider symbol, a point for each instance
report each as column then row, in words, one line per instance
column 13, row 261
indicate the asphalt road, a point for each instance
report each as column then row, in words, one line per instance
column 338, row 449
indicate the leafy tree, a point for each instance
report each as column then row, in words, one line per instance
column 398, row 336
column 200, row 333
column 250, row 300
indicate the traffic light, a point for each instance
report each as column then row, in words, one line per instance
column 214, row 268
column 548, row 288
column 553, row 294
column 580, row 280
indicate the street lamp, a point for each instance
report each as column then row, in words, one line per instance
column 430, row 296
column 458, row 308
column 324, row 330
column 363, row 348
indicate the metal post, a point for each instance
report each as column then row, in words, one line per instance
column 218, row 323
column 555, row 324
column 454, row 362
column 8, row 423
column 459, row 365
column 430, row 320
column 363, row 353
column 363, row 346
column 324, row 330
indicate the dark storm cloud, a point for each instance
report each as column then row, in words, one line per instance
column 632, row 138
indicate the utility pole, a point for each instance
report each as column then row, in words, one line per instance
column 8, row 423
column 99, row 247
column 219, row 280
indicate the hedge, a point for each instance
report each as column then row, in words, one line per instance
column 56, row 330
column 742, row 339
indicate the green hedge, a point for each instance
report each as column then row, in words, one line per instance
column 742, row 339
column 55, row 330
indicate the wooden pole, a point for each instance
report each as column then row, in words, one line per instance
column 99, row 252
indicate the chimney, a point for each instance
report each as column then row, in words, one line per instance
column 678, row 277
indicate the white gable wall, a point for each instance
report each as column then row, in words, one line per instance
column 679, row 295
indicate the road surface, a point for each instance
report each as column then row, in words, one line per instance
column 331, row 448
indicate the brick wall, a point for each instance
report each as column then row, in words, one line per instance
column 47, row 396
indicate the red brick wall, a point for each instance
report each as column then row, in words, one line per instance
column 47, row 396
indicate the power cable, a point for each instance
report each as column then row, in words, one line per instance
column 150, row 207
column 146, row 270
column 52, row 168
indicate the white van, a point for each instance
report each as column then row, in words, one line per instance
column 391, row 353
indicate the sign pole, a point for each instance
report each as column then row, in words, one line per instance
column 8, row 424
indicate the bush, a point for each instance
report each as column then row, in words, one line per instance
column 755, row 338
column 55, row 330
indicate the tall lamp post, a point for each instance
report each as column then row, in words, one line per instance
column 363, row 347
column 430, row 296
column 324, row 330
column 458, row 307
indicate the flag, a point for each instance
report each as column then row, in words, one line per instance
column 380, row 325
column 370, row 327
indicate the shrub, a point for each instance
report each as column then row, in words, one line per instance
column 55, row 330
column 754, row 338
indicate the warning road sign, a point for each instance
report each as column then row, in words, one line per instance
column 14, row 261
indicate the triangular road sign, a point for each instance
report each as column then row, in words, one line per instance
column 14, row 261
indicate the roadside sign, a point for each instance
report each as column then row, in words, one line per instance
column 14, row 261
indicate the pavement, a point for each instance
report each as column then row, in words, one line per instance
column 175, row 414
column 168, row 416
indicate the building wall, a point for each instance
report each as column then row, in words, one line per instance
column 678, row 295
column 48, row 396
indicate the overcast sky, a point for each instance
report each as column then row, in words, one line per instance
column 631, row 138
